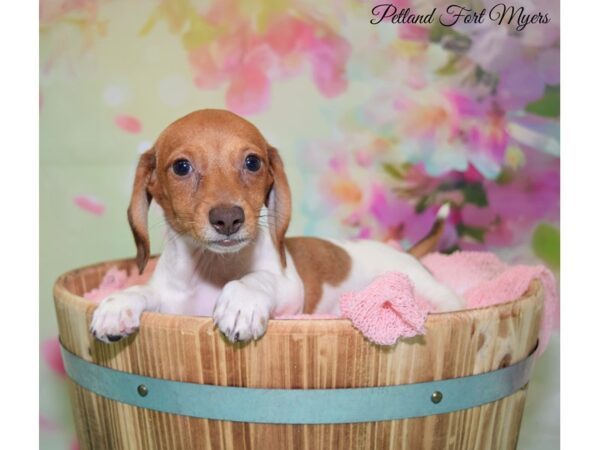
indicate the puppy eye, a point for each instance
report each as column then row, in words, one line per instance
column 253, row 163
column 182, row 167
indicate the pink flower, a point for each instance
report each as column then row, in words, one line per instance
column 397, row 217
column 328, row 58
column 531, row 195
column 249, row 91
column 524, row 61
column 411, row 32
column 249, row 59
column 289, row 35
column 387, row 210
column 208, row 75
column 521, row 83
column 447, row 130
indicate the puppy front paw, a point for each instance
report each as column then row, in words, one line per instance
column 242, row 313
column 117, row 316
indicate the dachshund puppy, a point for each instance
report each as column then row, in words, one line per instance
column 226, row 201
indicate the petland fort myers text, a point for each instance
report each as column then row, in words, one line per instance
column 501, row 14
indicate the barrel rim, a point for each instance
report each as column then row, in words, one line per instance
column 63, row 294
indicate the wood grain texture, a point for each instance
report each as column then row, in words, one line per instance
column 297, row 354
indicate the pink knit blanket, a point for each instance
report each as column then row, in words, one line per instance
column 388, row 310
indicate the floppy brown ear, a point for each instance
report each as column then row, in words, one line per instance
column 137, row 213
column 279, row 202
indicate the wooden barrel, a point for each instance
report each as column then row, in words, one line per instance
column 297, row 355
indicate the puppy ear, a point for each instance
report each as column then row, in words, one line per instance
column 279, row 202
column 137, row 213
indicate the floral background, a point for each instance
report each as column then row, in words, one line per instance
column 378, row 125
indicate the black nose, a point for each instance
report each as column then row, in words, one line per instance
column 226, row 219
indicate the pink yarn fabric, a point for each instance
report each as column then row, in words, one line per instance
column 307, row 316
column 483, row 280
column 115, row 280
column 385, row 310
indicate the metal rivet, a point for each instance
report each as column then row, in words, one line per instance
column 436, row 397
column 142, row 390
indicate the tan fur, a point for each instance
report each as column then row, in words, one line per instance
column 137, row 213
column 216, row 142
column 430, row 242
column 282, row 202
column 318, row 262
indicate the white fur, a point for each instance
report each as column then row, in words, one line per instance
column 243, row 290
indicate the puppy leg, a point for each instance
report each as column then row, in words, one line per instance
column 440, row 295
column 244, row 307
column 370, row 259
column 119, row 314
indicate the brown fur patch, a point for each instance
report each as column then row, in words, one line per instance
column 216, row 144
column 318, row 262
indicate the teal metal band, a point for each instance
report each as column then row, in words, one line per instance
column 298, row 406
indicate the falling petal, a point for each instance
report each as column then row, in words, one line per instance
column 89, row 204
column 129, row 124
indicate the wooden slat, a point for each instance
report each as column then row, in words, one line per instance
column 297, row 354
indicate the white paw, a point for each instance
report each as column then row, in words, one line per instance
column 241, row 312
column 117, row 316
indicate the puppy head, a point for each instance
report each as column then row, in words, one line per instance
column 211, row 172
